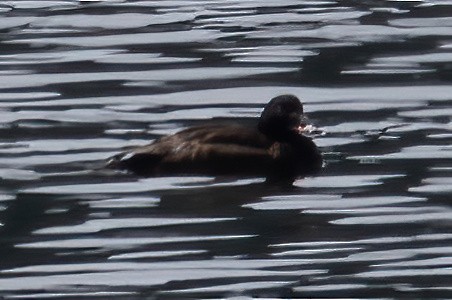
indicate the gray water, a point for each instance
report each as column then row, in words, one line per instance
column 81, row 81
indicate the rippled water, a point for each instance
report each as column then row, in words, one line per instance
column 81, row 81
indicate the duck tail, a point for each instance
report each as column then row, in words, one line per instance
column 116, row 162
column 139, row 163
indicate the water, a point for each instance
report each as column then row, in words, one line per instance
column 81, row 81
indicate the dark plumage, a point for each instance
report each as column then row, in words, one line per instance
column 275, row 148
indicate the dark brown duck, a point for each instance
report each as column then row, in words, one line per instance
column 275, row 148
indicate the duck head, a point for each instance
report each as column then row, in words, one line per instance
column 281, row 118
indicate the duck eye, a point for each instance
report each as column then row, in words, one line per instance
column 295, row 119
column 291, row 108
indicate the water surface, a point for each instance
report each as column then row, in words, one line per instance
column 83, row 80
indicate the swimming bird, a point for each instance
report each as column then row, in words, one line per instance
column 276, row 148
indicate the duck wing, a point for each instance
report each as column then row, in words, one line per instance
column 193, row 157
column 203, row 149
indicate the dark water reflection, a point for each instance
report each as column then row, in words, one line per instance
column 81, row 81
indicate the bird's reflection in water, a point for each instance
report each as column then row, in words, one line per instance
column 262, row 227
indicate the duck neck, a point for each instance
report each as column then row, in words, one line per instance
column 289, row 136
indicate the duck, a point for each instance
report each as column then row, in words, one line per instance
column 275, row 148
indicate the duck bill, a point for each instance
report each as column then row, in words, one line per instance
column 304, row 128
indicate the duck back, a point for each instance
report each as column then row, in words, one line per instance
column 210, row 150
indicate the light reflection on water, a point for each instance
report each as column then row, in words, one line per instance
column 81, row 81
